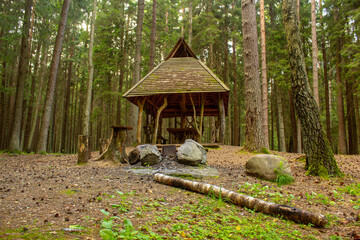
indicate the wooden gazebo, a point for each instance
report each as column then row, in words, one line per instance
column 180, row 86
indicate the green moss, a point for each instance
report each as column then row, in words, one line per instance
column 262, row 151
column 318, row 170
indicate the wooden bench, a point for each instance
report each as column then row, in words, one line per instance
column 179, row 135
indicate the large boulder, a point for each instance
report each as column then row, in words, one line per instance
column 265, row 166
column 191, row 153
column 149, row 155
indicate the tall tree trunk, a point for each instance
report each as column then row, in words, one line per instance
column 281, row 130
column 87, row 109
column 293, row 123
column 152, row 37
column 265, row 121
column 314, row 53
column 254, row 138
column 320, row 158
column 133, row 110
column 235, row 80
column 326, row 80
column 23, row 70
column 190, row 22
column 66, row 106
column 45, row 122
column 38, row 105
column 339, row 94
column 32, row 105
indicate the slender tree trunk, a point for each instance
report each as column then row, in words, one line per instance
column 339, row 94
column 314, row 53
column 14, row 144
column 38, row 105
column 45, row 122
column 152, row 37
column 32, row 105
column 293, row 123
column 320, row 158
column 254, row 138
column 281, row 121
column 235, row 80
column 265, row 121
column 190, row 22
column 66, row 106
column 87, row 109
column 326, row 80
column 351, row 119
column 133, row 110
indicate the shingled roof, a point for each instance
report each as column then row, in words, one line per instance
column 181, row 73
column 178, row 74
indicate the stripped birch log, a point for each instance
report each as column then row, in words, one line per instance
column 287, row 212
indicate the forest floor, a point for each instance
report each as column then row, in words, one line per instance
column 51, row 197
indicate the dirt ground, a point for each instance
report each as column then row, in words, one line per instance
column 52, row 190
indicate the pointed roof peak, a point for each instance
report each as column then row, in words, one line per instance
column 181, row 49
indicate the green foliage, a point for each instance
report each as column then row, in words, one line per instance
column 281, row 177
column 352, row 189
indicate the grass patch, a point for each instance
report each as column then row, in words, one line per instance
column 204, row 218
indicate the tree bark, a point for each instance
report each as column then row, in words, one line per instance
column 32, row 105
column 39, row 95
column 314, row 53
column 66, row 105
column 287, row 212
column 254, row 138
column 133, row 111
column 281, row 130
column 87, row 109
column 320, row 158
column 326, row 81
column 235, row 80
column 265, row 120
column 14, row 144
column 45, row 122
column 339, row 94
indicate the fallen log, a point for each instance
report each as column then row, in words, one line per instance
column 291, row 213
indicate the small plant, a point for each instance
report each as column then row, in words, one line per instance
column 352, row 189
column 281, row 177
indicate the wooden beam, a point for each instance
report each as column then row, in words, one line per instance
column 140, row 103
column 222, row 118
column 183, row 110
column 157, row 120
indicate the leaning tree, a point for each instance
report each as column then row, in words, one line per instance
column 320, row 158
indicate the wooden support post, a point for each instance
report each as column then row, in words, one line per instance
column 140, row 104
column 222, row 119
column 83, row 149
column 200, row 125
column 183, row 111
column 157, row 120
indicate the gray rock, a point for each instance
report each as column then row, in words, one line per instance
column 134, row 156
column 263, row 166
column 191, row 153
column 149, row 154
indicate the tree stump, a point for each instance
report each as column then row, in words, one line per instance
column 116, row 148
column 83, row 149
